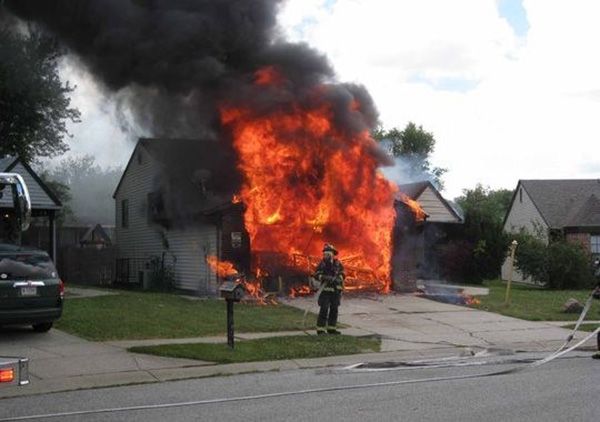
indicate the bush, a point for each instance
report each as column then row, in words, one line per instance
column 559, row 265
column 568, row 266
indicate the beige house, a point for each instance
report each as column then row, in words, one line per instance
column 416, row 244
column 546, row 208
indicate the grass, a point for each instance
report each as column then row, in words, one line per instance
column 583, row 327
column 533, row 303
column 272, row 348
column 141, row 315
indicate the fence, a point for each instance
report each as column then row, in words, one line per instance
column 89, row 266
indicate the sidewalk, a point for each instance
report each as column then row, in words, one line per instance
column 410, row 328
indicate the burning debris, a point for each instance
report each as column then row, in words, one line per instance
column 227, row 272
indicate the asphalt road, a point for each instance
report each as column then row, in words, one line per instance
column 564, row 389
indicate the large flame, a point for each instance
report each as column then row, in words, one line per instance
column 307, row 181
column 415, row 207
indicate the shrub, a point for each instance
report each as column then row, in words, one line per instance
column 559, row 265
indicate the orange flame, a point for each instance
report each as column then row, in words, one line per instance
column 220, row 268
column 267, row 75
column 307, row 182
column 415, row 207
column 471, row 300
column 253, row 289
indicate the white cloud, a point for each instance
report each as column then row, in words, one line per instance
column 530, row 105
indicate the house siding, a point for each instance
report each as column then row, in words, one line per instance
column 437, row 211
column 191, row 247
column 523, row 215
column 142, row 240
column 39, row 197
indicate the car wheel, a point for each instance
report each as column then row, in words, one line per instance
column 42, row 327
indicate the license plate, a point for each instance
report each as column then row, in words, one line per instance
column 28, row 291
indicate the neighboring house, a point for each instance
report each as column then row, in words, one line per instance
column 174, row 208
column 419, row 241
column 44, row 204
column 547, row 208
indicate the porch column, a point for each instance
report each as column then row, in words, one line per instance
column 52, row 235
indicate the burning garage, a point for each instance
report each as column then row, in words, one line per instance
column 180, row 212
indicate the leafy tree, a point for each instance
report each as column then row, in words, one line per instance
column 63, row 192
column 34, row 103
column 479, row 247
column 91, row 188
column 489, row 205
column 414, row 146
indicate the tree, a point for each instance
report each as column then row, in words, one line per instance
column 414, row 146
column 63, row 192
column 34, row 103
column 479, row 247
column 91, row 188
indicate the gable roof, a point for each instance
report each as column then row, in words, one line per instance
column 6, row 162
column 96, row 234
column 414, row 191
column 565, row 203
column 42, row 197
column 196, row 175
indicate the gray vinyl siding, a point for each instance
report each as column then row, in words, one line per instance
column 141, row 241
column 138, row 241
column 191, row 247
column 437, row 211
column 39, row 197
column 523, row 214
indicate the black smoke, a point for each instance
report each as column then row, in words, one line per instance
column 174, row 60
column 172, row 63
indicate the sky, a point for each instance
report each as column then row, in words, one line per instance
column 509, row 88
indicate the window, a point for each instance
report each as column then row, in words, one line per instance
column 521, row 196
column 125, row 213
column 156, row 208
column 595, row 244
column 139, row 157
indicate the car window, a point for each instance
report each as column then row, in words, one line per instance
column 26, row 266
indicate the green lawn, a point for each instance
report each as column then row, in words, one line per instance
column 534, row 304
column 272, row 348
column 583, row 327
column 140, row 315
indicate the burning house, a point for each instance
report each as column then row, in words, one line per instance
column 283, row 161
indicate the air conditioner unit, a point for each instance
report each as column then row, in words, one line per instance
column 145, row 278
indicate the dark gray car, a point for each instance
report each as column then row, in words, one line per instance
column 30, row 290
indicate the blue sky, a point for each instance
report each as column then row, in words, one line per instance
column 515, row 14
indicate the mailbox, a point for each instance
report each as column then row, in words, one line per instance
column 232, row 290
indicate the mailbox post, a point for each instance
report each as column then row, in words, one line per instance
column 232, row 291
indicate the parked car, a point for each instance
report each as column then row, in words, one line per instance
column 30, row 290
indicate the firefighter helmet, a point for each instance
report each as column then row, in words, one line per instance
column 330, row 248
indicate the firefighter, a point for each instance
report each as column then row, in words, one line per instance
column 330, row 273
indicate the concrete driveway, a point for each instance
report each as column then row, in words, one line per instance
column 408, row 322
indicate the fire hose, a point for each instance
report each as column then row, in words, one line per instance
column 299, row 392
column 558, row 353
